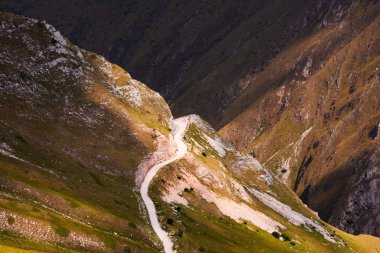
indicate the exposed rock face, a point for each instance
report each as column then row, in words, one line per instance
column 295, row 81
column 359, row 210
column 321, row 121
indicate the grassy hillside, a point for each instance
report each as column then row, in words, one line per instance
column 293, row 81
column 74, row 129
column 77, row 135
column 281, row 78
column 317, row 127
column 186, row 48
column 192, row 195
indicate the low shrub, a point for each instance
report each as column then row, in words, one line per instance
column 62, row 231
column 276, row 234
column 11, row 220
column 170, row 221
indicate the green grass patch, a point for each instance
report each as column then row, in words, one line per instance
column 11, row 220
column 96, row 178
column 73, row 203
column 110, row 243
column 62, row 231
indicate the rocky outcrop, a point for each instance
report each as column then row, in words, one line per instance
column 358, row 211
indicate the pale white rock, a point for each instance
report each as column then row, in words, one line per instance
column 297, row 145
column 6, row 150
column 307, row 69
column 56, row 61
column 216, row 144
column 236, row 210
column 292, row 216
column 56, row 34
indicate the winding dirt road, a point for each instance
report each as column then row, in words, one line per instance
column 180, row 127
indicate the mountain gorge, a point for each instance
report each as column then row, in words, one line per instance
column 292, row 87
column 317, row 132
column 78, row 136
column 295, row 83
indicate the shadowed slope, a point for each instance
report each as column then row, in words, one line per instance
column 74, row 129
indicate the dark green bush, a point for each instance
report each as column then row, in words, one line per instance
column 11, row 220
column 170, row 221
column 132, row 224
column 62, row 231
column 286, row 237
column 276, row 234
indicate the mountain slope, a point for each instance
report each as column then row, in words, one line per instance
column 78, row 136
column 293, row 82
column 217, row 199
column 318, row 128
column 74, row 129
column 176, row 46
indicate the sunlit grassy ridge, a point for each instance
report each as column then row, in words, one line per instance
column 200, row 226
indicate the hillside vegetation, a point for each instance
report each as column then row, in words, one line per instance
column 77, row 136
column 74, row 129
column 293, row 82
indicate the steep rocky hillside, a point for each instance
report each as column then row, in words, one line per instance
column 317, row 127
column 174, row 46
column 78, row 135
column 74, row 129
column 217, row 199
